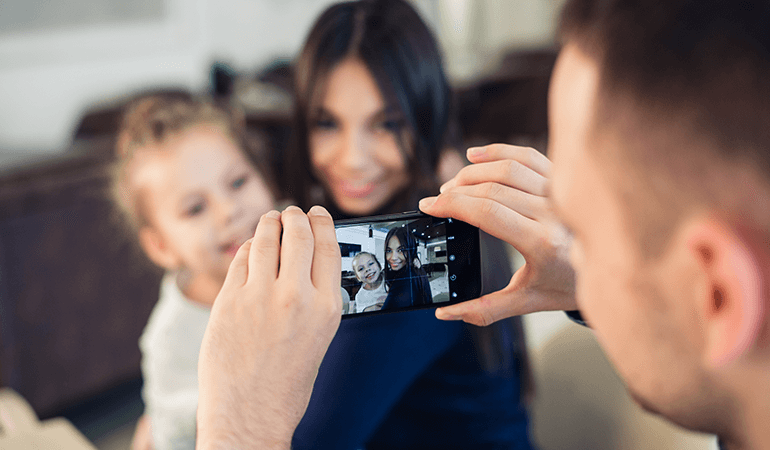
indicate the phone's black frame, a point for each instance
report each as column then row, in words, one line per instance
column 462, row 242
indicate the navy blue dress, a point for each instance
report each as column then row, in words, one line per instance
column 408, row 380
column 407, row 287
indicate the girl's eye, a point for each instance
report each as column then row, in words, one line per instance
column 195, row 209
column 239, row 182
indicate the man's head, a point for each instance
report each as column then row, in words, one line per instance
column 660, row 122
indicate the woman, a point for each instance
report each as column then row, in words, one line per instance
column 372, row 118
column 407, row 282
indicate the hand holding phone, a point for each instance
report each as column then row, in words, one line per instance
column 407, row 261
column 269, row 329
column 504, row 192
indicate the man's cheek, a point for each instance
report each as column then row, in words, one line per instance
column 588, row 292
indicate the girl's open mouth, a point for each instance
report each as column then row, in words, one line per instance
column 231, row 249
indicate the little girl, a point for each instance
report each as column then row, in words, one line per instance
column 192, row 196
column 372, row 294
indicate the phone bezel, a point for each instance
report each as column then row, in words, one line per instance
column 464, row 244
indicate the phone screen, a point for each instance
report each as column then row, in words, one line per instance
column 406, row 261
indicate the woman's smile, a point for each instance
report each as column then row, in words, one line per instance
column 396, row 263
column 354, row 189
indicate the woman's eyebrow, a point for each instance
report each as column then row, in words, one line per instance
column 384, row 113
column 323, row 112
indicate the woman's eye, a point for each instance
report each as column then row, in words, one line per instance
column 238, row 182
column 392, row 125
column 325, row 124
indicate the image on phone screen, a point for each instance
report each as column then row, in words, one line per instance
column 406, row 261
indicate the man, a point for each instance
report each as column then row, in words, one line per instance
column 660, row 139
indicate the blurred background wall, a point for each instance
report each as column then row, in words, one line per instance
column 59, row 57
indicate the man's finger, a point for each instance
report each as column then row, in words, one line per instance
column 506, row 172
column 482, row 311
column 265, row 248
column 530, row 206
column 524, row 234
column 296, row 245
column 238, row 272
column 326, row 270
column 525, row 155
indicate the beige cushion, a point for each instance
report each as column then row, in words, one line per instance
column 20, row 428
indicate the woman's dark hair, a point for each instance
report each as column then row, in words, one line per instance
column 397, row 47
column 408, row 246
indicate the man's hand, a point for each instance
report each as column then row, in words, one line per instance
column 505, row 194
column 270, row 327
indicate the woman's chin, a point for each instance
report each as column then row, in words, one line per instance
column 359, row 206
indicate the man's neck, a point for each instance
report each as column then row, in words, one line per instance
column 753, row 431
column 758, row 421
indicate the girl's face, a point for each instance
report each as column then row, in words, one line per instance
column 367, row 269
column 203, row 197
column 354, row 141
column 395, row 254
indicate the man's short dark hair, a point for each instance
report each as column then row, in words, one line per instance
column 697, row 69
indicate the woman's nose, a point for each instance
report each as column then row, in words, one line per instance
column 353, row 154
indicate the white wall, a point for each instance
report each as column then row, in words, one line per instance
column 47, row 78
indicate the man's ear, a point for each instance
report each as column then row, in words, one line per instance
column 734, row 263
column 157, row 249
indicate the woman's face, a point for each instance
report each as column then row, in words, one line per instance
column 395, row 254
column 354, row 141
column 367, row 269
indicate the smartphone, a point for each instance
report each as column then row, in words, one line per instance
column 406, row 261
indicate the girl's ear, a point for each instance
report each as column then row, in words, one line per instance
column 157, row 249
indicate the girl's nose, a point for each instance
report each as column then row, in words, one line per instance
column 229, row 210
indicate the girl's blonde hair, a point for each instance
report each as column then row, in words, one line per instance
column 150, row 121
